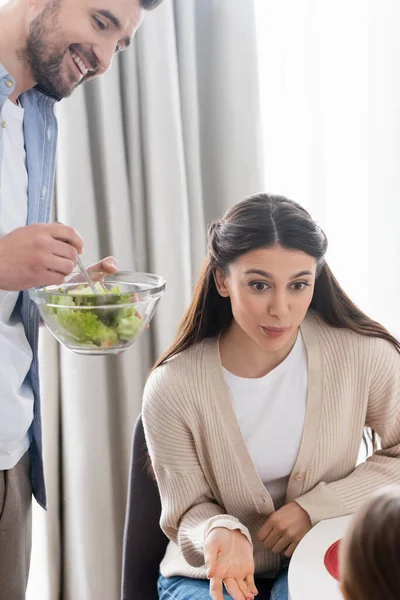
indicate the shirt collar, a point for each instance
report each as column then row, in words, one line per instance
column 7, row 85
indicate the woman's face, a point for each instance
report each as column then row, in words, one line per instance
column 270, row 291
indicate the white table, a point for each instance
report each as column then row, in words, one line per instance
column 308, row 577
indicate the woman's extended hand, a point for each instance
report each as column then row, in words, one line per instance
column 229, row 560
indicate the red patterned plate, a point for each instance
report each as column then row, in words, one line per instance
column 331, row 560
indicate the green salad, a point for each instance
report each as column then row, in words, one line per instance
column 91, row 326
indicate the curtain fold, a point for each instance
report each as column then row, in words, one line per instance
column 148, row 155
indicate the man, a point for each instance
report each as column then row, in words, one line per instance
column 47, row 49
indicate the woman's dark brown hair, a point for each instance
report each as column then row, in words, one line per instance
column 370, row 551
column 150, row 4
column 262, row 221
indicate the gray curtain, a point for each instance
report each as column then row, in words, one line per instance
column 148, row 155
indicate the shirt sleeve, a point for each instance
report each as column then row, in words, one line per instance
column 343, row 497
column 189, row 510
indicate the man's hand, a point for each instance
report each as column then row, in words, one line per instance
column 285, row 528
column 107, row 265
column 229, row 560
column 35, row 255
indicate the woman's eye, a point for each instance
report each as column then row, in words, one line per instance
column 259, row 286
column 300, row 285
column 100, row 24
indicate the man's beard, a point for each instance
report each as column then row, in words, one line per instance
column 45, row 57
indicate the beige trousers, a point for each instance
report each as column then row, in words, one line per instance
column 15, row 530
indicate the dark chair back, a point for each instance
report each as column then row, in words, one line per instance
column 144, row 541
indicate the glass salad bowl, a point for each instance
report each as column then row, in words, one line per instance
column 104, row 323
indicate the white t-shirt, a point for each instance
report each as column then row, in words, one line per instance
column 271, row 411
column 16, row 399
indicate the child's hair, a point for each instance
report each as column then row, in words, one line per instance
column 370, row 551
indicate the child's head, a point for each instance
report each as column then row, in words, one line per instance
column 370, row 551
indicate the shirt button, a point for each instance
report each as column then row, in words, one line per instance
column 4, row 124
column 9, row 83
column 299, row 476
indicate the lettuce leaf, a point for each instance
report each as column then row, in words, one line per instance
column 98, row 326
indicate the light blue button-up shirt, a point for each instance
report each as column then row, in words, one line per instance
column 40, row 131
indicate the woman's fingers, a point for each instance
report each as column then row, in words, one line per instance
column 244, row 588
column 290, row 550
column 210, row 555
column 216, row 588
column 273, row 538
column 233, row 589
column 281, row 544
column 251, row 584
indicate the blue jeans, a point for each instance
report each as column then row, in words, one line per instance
column 184, row 588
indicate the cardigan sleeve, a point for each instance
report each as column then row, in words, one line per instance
column 189, row 510
column 342, row 497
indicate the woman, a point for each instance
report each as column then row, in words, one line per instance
column 370, row 552
column 255, row 415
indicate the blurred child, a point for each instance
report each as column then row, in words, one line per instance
column 370, row 552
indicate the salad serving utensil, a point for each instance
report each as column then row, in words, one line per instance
column 83, row 270
column 86, row 275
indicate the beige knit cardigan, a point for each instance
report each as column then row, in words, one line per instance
column 205, row 475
